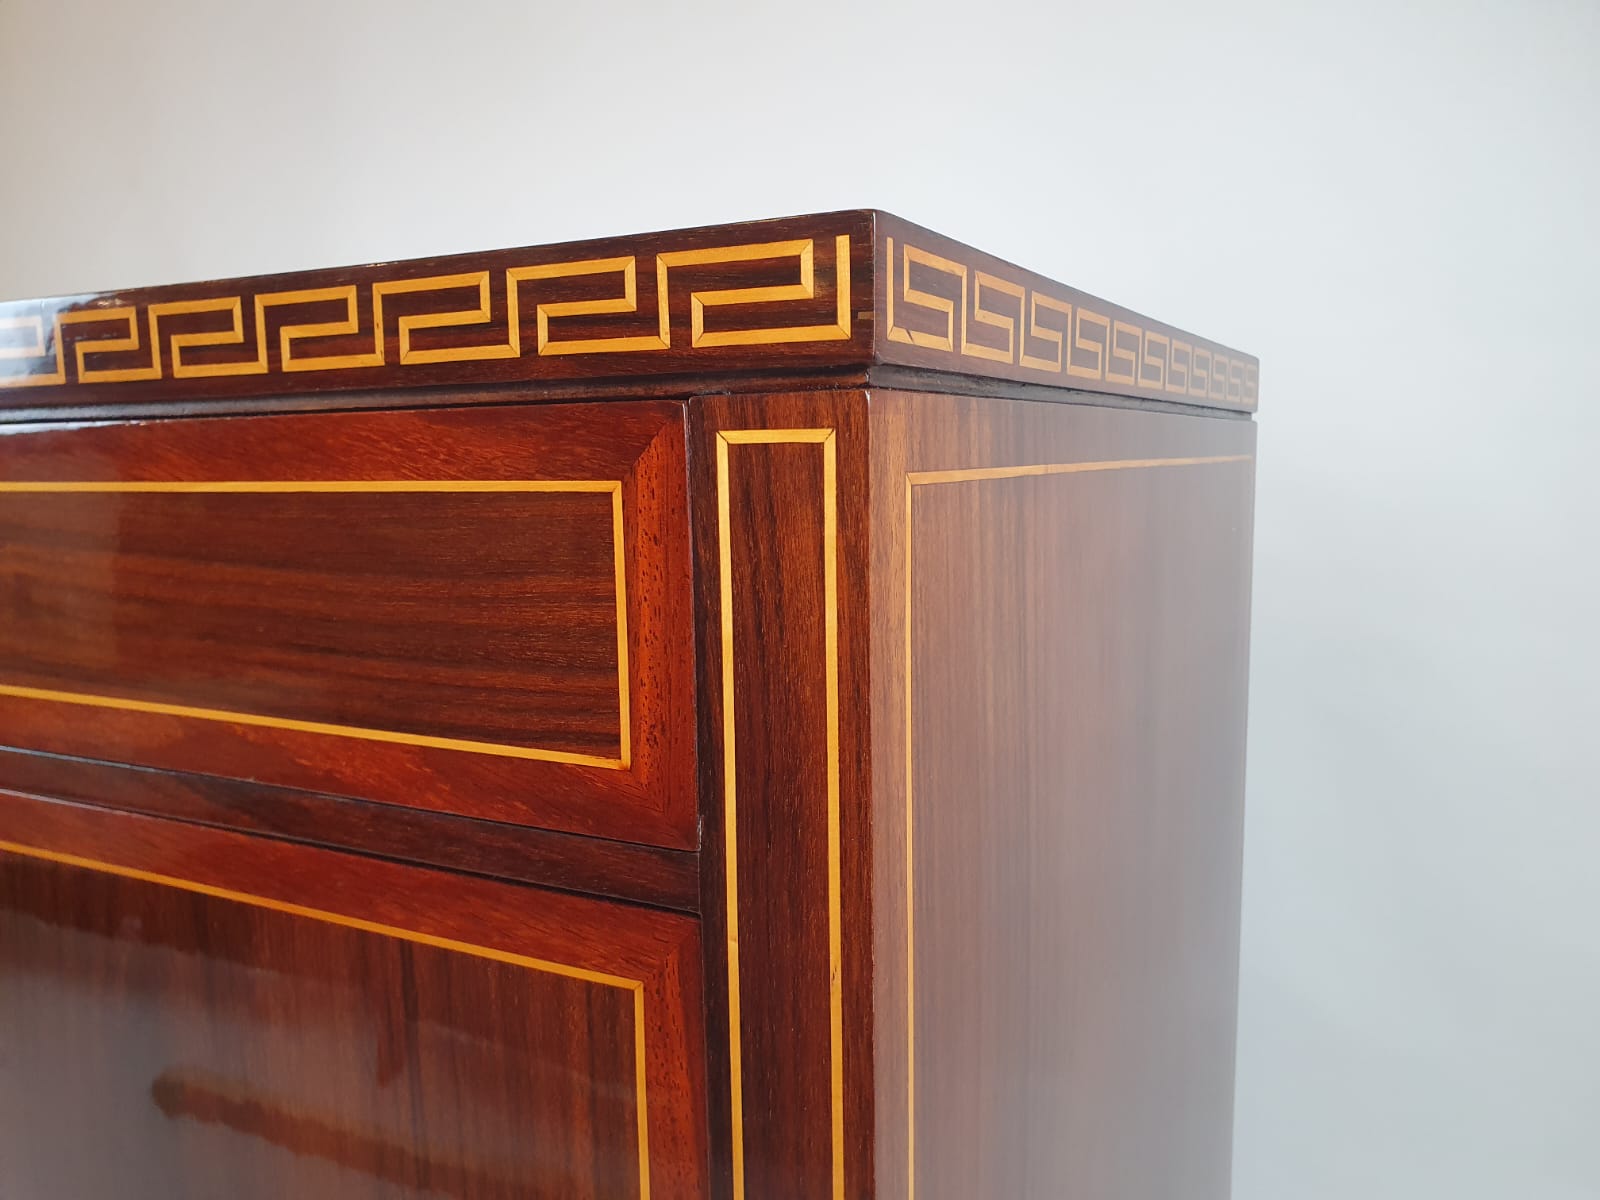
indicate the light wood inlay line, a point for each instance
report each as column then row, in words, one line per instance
column 622, row 761
column 830, row 509
column 635, row 986
column 915, row 479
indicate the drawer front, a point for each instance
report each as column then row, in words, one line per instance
column 190, row 1013
column 474, row 611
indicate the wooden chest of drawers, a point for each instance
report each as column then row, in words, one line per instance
column 745, row 712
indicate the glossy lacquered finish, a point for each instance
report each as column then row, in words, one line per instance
column 592, row 866
column 790, row 295
column 1059, row 667
column 782, row 569
column 844, row 293
column 752, row 713
column 474, row 612
column 191, row 1013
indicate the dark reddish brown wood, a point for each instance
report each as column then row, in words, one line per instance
column 780, row 503
column 946, row 307
column 1076, row 678
column 836, row 292
column 941, row 731
column 594, row 866
column 762, row 296
column 486, row 619
column 359, row 609
column 577, row 391
column 239, row 1016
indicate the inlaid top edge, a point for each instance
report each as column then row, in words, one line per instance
column 775, row 226
column 944, row 305
column 823, row 291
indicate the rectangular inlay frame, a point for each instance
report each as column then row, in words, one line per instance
column 612, row 487
column 828, row 442
column 583, row 974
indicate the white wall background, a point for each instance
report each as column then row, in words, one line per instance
column 1397, row 206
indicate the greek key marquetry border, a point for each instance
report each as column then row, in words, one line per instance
column 966, row 312
column 184, row 339
column 635, row 987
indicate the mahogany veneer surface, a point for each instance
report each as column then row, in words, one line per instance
column 240, row 1017
column 834, row 292
column 752, row 712
column 1059, row 811
column 470, row 611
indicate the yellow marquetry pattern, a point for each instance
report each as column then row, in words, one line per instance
column 963, row 310
column 33, row 345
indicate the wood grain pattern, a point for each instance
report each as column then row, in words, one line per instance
column 1059, row 661
column 570, row 862
column 673, row 715
column 781, row 550
column 482, row 620
column 353, row 604
column 239, row 1016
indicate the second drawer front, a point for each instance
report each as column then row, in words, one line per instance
column 466, row 610
column 191, row 1013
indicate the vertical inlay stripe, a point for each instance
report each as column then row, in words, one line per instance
column 826, row 440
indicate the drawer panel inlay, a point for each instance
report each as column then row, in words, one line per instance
column 269, row 1020
column 472, row 611
column 366, row 609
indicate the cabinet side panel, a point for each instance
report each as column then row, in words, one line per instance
column 1061, row 600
